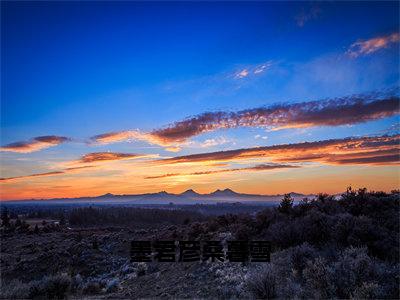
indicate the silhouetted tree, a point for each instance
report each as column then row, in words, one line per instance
column 286, row 204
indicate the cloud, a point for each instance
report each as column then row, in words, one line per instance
column 258, row 136
column 365, row 47
column 262, row 68
column 253, row 70
column 243, row 73
column 90, row 158
column 353, row 150
column 36, row 144
column 261, row 167
column 133, row 135
column 373, row 160
column 331, row 112
column 107, row 156
column 307, row 15
column 67, row 170
column 214, row 142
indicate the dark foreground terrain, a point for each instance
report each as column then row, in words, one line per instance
column 321, row 248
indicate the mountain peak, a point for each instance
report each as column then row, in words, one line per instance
column 190, row 192
column 225, row 192
column 162, row 193
column 107, row 195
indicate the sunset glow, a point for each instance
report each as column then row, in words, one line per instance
column 261, row 98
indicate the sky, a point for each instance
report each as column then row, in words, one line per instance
column 141, row 97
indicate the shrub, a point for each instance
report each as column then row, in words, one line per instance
column 141, row 269
column 294, row 259
column 92, row 287
column 318, row 276
column 76, row 283
column 112, row 285
column 263, row 284
column 14, row 290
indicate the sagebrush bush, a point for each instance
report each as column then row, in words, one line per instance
column 92, row 287
column 14, row 289
column 307, row 272
column 263, row 284
column 112, row 285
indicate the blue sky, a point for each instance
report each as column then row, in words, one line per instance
column 83, row 69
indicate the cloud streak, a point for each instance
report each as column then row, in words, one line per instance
column 365, row 47
column 261, row 167
column 133, row 135
column 109, row 156
column 332, row 112
column 253, row 70
column 380, row 150
column 89, row 158
column 36, row 144
column 53, row 173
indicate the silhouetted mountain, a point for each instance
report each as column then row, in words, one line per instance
column 106, row 195
column 225, row 193
column 189, row 197
column 190, row 193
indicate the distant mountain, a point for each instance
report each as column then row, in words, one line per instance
column 106, row 195
column 163, row 197
column 190, row 193
column 224, row 193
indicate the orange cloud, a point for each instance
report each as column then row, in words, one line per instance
column 262, row 167
column 36, row 144
column 132, row 135
column 362, row 150
column 67, row 170
column 85, row 159
column 107, row 156
column 372, row 45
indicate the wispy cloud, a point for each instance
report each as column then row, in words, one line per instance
column 108, row 156
column 89, row 160
column 258, row 136
column 213, row 142
column 253, row 70
column 243, row 73
column 365, row 47
column 261, row 167
column 354, row 150
column 133, row 135
column 36, row 144
column 53, row 173
column 331, row 112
